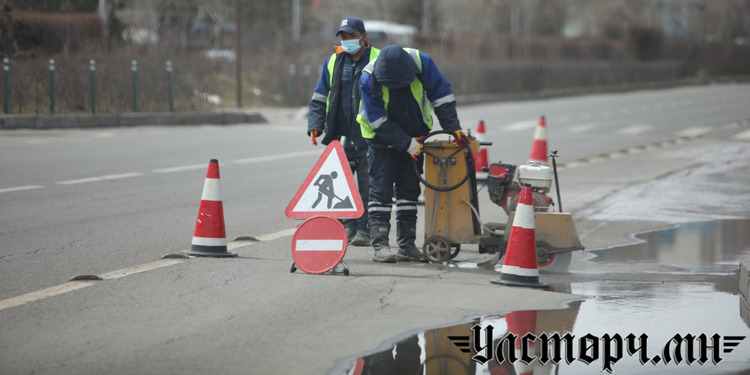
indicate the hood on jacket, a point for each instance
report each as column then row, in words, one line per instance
column 395, row 68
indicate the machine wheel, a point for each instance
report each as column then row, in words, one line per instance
column 438, row 249
column 552, row 262
column 456, row 250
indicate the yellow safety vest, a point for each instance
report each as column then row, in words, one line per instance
column 417, row 90
column 374, row 52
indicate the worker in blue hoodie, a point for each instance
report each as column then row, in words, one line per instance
column 398, row 90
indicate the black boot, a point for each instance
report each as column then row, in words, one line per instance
column 406, row 233
column 361, row 236
column 379, row 240
column 351, row 228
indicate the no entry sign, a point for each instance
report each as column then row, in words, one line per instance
column 319, row 244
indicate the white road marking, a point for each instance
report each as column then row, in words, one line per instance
column 281, row 128
column 44, row 293
column 520, row 125
column 140, row 268
column 276, row 157
column 100, row 178
column 583, row 128
column 181, row 168
column 167, row 170
column 17, row 188
column 277, row 235
column 75, row 285
column 634, row 129
column 745, row 136
column 694, row 131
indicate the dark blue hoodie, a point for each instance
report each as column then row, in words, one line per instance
column 396, row 70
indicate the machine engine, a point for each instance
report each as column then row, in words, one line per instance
column 504, row 190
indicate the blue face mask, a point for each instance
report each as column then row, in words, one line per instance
column 351, row 46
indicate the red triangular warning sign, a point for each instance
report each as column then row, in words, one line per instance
column 329, row 189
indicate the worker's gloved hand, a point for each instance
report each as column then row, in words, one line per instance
column 461, row 138
column 415, row 148
column 314, row 134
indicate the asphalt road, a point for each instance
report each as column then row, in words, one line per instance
column 112, row 201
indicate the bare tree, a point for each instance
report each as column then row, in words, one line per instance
column 216, row 15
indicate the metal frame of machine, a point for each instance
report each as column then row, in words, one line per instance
column 452, row 208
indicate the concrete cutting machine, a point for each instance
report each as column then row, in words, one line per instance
column 452, row 206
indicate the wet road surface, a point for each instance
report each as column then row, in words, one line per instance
column 657, row 309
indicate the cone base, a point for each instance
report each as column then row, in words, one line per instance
column 528, row 284
column 210, row 251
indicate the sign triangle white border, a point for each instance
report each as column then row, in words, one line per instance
column 334, row 150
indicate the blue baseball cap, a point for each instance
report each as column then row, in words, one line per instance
column 351, row 25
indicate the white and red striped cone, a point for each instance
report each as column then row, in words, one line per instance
column 521, row 323
column 520, row 267
column 481, row 160
column 210, row 236
column 539, row 147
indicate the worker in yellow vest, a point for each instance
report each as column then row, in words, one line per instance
column 334, row 106
column 398, row 90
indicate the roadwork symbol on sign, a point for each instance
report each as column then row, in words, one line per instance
column 329, row 189
column 319, row 244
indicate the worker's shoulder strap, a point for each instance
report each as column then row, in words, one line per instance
column 414, row 53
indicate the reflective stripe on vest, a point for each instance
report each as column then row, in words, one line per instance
column 374, row 52
column 417, row 90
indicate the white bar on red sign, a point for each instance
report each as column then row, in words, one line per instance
column 319, row 245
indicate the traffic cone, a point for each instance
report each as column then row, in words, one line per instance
column 520, row 267
column 539, row 147
column 521, row 323
column 210, row 236
column 481, row 158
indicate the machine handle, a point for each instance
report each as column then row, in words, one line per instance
column 469, row 162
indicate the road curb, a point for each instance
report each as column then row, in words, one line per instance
column 745, row 277
column 128, row 119
column 745, row 290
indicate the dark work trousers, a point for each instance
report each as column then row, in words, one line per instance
column 358, row 161
column 389, row 167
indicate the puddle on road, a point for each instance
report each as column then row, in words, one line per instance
column 700, row 247
column 659, row 310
